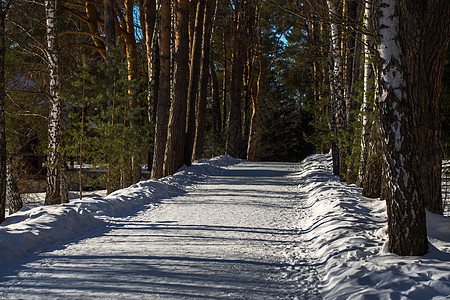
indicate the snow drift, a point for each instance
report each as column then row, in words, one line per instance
column 44, row 227
column 347, row 235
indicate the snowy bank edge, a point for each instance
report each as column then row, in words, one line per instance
column 347, row 233
column 41, row 227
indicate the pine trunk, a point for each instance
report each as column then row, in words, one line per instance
column 224, row 83
column 132, row 70
column 163, row 92
column 194, row 73
column 216, row 112
column 56, row 186
column 92, row 22
column 152, row 52
column 427, row 29
column 200, row 120
column 113, row 178
column 234, row 135
column 177, row 117
column 405, row 207
column 2, row 115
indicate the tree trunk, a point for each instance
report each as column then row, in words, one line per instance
column 427, row 29
column 234, row 134
column 200, row 120
column 177, row 117
column 338, row 92
column 113, row 178
column 252, row 138
column 132, row 70
column 405, row 207
column 370, row 162
column 163, row 92
column 333, row 127
column 12, row 191
column 92, row 22
column 194, row 73
column 56, row 186
column 216, row 112
column 352, row 68
column 224, row 83
column 3, row 154
column 152, row 50
column 255, row 92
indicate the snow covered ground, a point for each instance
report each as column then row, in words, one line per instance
column 220, row 229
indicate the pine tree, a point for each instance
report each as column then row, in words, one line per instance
column 177, row 118
column 426, row 29
column 194, row 74
column 200, row 120
column 163, row 92
column 234, row 146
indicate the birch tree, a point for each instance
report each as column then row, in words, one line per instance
column 405, row 207
column 370, row 164
column 56, row 182
column 336, row 89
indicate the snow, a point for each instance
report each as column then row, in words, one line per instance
column 220, row 229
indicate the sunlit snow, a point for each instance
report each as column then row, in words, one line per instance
column 220, row 229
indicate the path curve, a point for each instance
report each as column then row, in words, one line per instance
column 228, row 237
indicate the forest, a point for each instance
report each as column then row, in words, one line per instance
column 127, row 85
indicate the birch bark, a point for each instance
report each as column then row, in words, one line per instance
column 337, row 92
column 405, row 207
column 56, row 187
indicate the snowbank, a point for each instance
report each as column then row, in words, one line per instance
column 347, row 236
column 42, row 227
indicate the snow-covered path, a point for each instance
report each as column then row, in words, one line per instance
column 228, row 237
